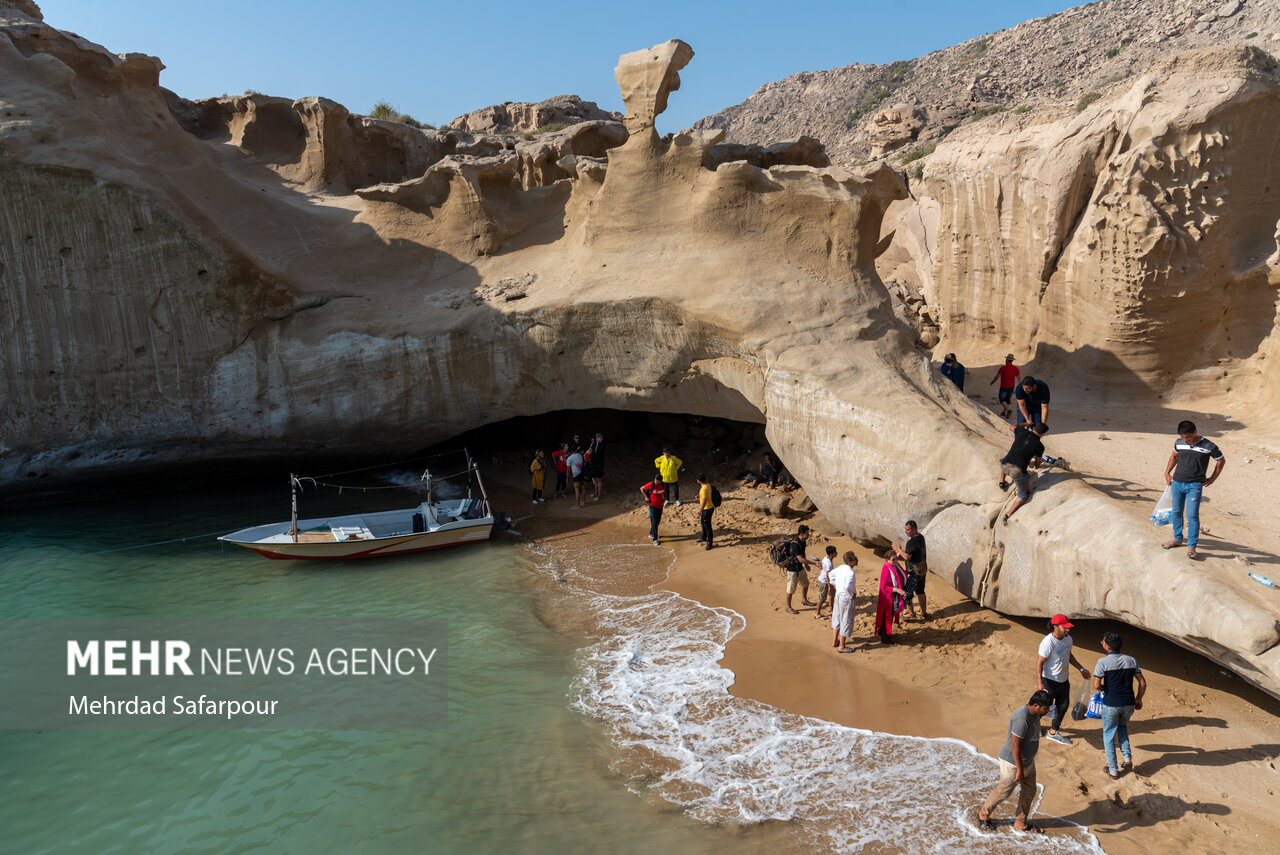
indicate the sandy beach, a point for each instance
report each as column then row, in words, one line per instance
column 1206, row 744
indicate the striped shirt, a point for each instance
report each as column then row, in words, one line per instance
column 1193, row 459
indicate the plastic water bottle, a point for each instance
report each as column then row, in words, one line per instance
column 1263, row 579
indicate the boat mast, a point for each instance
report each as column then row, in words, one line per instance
column 470, row 468
column 293, row 491
column 479, row 481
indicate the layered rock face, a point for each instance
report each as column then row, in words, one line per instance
column 240, row 282
column 1131, row 243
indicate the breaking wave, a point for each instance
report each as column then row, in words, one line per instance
column 654, row 681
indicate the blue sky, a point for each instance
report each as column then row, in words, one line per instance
column 436, row 61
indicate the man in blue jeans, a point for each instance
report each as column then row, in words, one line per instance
column 1114, row 676
column 1186, row 476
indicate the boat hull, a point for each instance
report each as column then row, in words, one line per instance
column 374, row 548
column 370, row 535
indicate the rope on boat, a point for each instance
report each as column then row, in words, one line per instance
column 341, row 487
column 163, row 542
column 392, row 463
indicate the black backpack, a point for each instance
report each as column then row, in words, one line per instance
column 779, row 553
column 715, row 497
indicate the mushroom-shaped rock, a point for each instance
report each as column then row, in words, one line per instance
column 646, row 78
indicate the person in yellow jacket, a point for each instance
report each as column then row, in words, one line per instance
column 669, row 465
column 538, row 469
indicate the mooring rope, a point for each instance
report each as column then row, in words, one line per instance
column 163, row 542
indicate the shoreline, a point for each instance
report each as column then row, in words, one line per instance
column 1205, row 744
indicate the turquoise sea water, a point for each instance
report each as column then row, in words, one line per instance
column 587, row 712
column 515, row 769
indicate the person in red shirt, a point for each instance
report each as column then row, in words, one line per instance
column 1008, row 375
column 655, row 494
column 562, row 469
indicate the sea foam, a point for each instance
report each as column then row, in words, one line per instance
column 655, row 683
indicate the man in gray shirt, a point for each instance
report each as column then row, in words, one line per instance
column 1018, row 764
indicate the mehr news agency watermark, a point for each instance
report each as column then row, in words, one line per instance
column 235, row 674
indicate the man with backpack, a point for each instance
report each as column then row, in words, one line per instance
column 708, row 501
column 794, row 560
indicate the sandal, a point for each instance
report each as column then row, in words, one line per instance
column 1115, row 776
column 1030, row 828
column 1193, row 555
column 1171, row 544
column 985, row 823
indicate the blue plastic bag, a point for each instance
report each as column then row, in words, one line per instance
column 1095, row 706
column 1163, row 514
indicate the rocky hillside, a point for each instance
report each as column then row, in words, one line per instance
column 526, row 118
column 862, row 112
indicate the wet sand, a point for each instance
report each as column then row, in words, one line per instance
column 1205, row 744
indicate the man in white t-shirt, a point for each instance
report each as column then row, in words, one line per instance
column 824, row 587
column 1051, row 672
column 845, row 584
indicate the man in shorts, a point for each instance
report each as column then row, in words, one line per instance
column 1032, row 398
column 1008, row 375
column 796, row 575
column 1025, row 454
column 916, row 554
column 1186, row 476
column 825, row 591
column 577, row 464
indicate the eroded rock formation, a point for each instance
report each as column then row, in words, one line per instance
column 178, row 291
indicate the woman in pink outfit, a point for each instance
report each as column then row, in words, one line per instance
column 890, row 602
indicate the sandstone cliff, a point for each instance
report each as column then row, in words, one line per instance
column 234, row 278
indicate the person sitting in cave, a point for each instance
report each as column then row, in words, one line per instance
column 770, row 471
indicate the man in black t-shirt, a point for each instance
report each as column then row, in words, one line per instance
column 1025, row 454
column 1032, row 400
column 1187, row 474
column 916, row 555
column 796, row 575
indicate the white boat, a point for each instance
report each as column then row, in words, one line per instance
column 433, row 524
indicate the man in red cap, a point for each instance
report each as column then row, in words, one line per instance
column 1051, row 672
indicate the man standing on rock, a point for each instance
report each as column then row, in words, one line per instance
column 1032, row 398
column 1018, row 764
column 1185, row 474
column 916, row 555
column 669, row 465
column 1025, row 454
column 1008, row 375
column 1051, row 672
column 796, row 575
column 655, row 496
column 706, row 507
column 953, row 370
column 1114, row 676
